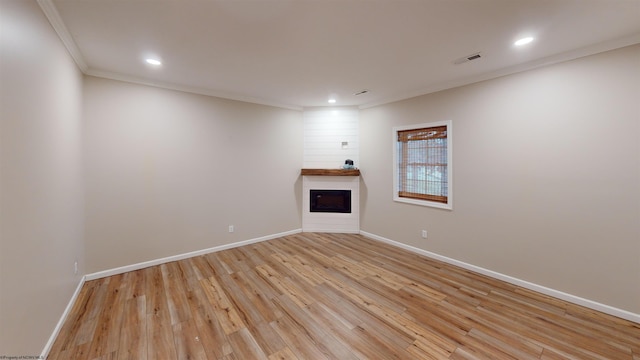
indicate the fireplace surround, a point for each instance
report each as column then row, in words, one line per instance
column 336, row 184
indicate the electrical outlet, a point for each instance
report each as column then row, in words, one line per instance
column 424, row 234
column 75, row 267
column 231, row 228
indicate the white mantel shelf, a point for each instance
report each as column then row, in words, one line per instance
column 331, row 172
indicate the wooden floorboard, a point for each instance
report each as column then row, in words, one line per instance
column 329, row 296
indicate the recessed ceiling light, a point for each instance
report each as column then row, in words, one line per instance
column 332, row 101
column 523, row 41
column 153, row 62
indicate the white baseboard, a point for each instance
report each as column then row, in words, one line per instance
column 123, row 269
column 624, row 314
column 146, row 264
column 331, row 231
column 525, row 284
column 63, row 318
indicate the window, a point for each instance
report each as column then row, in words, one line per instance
column 422, row 164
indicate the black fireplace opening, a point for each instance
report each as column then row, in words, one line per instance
column 330, row 201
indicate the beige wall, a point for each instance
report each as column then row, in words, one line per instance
column 167, row 172
column 546, row 176
column 41, row 211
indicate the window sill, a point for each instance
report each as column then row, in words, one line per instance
column 426, row 203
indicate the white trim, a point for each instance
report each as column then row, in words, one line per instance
column 550, row 60
column 190, row 89
column 525, row 284
column 331, row 231
column 63, row 318
column 624, row 314
column 52, row 14
column 396, row 186
column 123, row 269
column 146, row 264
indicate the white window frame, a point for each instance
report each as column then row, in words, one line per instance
column 396, row 186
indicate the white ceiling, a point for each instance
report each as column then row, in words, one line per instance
column 298, row 53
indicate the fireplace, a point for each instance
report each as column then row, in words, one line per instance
column 337, row 210
column 330, row 201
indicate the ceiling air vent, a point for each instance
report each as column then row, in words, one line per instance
column 467, row 58
column 361, row 92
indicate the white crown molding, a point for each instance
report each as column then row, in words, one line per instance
column 549, row 60
column 190, row 89
column 51, row 12
column 624, row 314
column 310, row 109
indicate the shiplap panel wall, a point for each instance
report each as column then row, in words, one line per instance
column 324, row 132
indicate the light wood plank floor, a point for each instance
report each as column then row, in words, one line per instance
column 329, row 296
